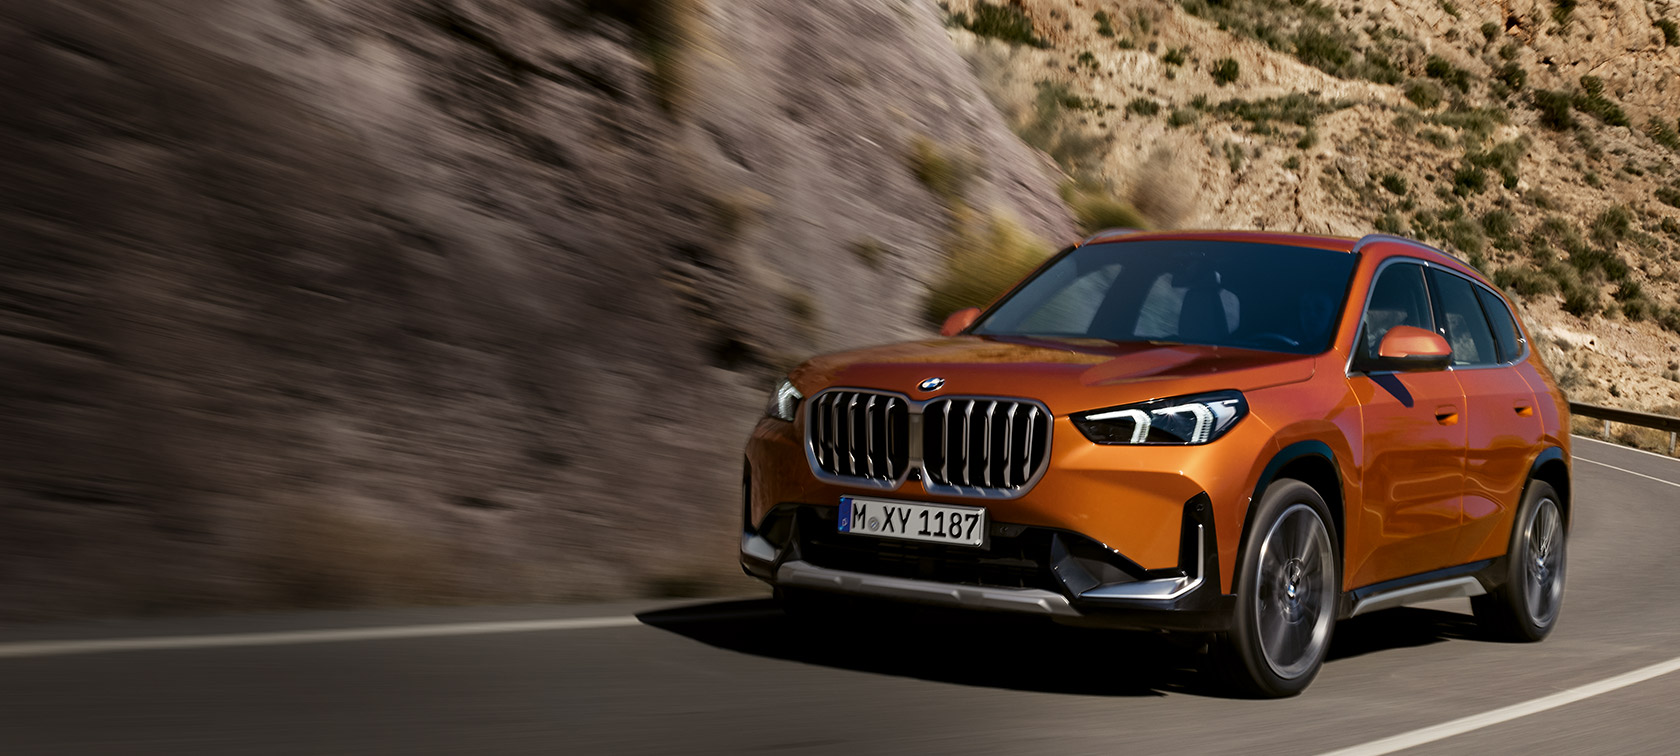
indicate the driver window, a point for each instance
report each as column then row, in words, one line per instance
column 1399, row 297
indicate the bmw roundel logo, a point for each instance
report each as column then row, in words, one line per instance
column 931, row 384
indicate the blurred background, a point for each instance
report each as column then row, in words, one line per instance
column 322, row 303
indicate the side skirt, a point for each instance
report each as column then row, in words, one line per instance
column 1473, row 579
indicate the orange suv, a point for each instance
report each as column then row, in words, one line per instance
column 1242, row 434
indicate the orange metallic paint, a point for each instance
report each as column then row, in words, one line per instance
column 1431, row 462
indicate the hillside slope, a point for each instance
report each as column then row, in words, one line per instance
column 444, row 300
column 1536, row 140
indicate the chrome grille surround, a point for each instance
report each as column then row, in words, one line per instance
column 853, row 437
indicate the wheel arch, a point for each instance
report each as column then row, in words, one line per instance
column 1311, row 462
column 1552, row 466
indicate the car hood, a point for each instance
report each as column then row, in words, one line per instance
column 1068, row 375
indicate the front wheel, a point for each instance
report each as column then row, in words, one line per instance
column 1287, row 586
column 1526, row 607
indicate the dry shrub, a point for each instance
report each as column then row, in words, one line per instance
column 1160, row 190
column 1097, row 209
column 984, row 256
column 1649, row 439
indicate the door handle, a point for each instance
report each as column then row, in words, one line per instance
column 1446, row 414
column 1524, row 409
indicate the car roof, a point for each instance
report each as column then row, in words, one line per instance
column 1282, row 238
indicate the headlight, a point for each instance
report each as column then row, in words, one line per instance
column 1181, row 420
column 784, row 400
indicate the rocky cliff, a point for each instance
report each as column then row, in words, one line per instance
column 309, row 303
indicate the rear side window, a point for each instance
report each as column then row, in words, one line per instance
column 1398, row 298
column 1463, row 323
column 1504, row 326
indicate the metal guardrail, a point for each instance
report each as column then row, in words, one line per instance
column 1629, row 417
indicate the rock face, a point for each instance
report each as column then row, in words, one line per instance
column 1301, row 138
column 439, row 300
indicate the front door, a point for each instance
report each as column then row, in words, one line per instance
column 1413, row 444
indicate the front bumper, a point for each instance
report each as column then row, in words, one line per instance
column 1055, row 574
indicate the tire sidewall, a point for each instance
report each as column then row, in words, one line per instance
column 1516, row 585
column 1244, row 636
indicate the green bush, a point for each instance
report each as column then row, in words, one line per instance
column 1435, row 137
column 1423, row 94
column 1509, row 51
column 1490, row 30
column 1503, row 158
column 1297, row 108
column 1105, row 24
column 1096, row 209
column 1437, row 67
column 1561, row 10
column 1182, row 117
column 1175, row 56
column 1477, row 121
column 1670, row 32
column 1581, row 300
column 1464, row 236
column 1511, row 75
column 1143, row 106
column 1395, row 184
column 1007, row 23
column 1389, row 223
column 983, row 258
column 1554, row 109
column 1322, row 50
column 1669, row 319
column 1612, row 225
column 1525, row 282
column 1593, row 102
column 1225, row 71
column 1662, row 134
column 1468, row 180
column 1668, row 196
column 1087, row 60
column 1499, row 223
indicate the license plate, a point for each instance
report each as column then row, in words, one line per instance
column 910, row 521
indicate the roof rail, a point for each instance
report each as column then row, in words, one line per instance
column 1445, row 255
column 1372, row 238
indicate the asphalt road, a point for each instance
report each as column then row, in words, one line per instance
column 736, row 677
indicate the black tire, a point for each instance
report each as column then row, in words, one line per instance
column 1288, row 586
column 1525, row 608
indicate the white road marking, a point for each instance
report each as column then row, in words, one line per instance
column 1625, row 448
column 1478, row 721
column 1630, row 472
column 292, row 637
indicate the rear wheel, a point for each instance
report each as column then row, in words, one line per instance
column 1526, row 607
column 1287, row 587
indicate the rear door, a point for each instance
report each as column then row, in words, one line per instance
column 1413, row 447
column 1501, row 418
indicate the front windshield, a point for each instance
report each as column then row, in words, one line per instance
column 1232, row 294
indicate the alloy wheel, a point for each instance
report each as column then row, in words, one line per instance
column 1543, row 563
column 1294, row 603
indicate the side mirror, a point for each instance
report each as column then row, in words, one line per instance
column 1408, row 348
column 959, row 321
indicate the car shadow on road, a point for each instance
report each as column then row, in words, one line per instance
column 1014, row 654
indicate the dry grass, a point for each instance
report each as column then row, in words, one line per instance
column 984, row 256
